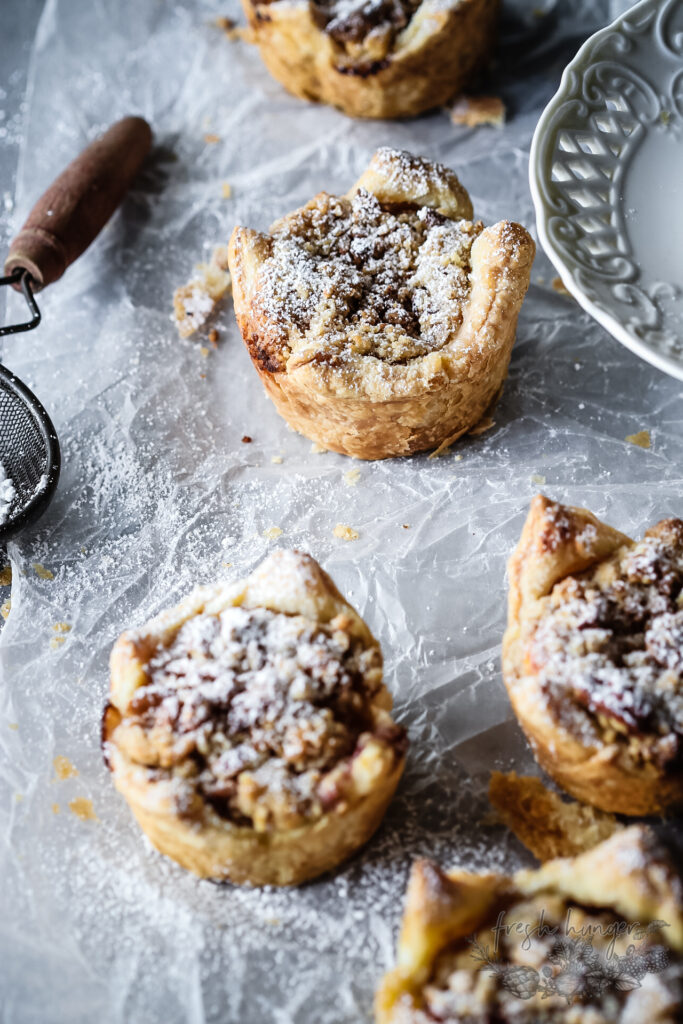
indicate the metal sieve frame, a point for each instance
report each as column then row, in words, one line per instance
column 30, row 512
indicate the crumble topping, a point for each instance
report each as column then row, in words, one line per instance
column 356, row 276
column 573, row 976
column 612, row 641
column 258, row 713
column 375, row 23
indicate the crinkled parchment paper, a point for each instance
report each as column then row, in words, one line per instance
column 158, row 491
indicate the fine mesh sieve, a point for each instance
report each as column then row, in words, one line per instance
column 62, row 224
column 29, row 453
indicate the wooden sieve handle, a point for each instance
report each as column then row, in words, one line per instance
column 75, row 208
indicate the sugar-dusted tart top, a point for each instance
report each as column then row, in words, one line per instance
column 546, row 960
column 351, row 22
column 366, row 275
column 592, row 939
column 268, row 717
column 608, row 648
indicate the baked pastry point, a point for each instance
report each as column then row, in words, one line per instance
column 394, row 58
column 547, row 825
column 593, row 656
column 249, row 728
column 381, row 322
column 452, row 968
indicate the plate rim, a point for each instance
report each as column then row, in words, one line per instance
column 667, row 364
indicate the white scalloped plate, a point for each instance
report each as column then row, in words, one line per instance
column 606, row 172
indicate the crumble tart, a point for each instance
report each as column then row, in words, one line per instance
column 596, row 939
column 593, row 656
column 381, row 322
column 249, row 728
column 374, row 58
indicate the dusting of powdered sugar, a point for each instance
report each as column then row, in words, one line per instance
column 616, row 648
column 524, row 972
column 257, row 708
column 359, row 277
column 8, row 495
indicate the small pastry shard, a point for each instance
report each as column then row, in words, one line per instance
column 547, row 825
column 194, row 303
column 593, row 656
column 596, row 939
column 473, row 111
column 249, row 728
column 381, row 322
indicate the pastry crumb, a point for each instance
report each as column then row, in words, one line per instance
column 204, row 351
column 473, row 111
column 13, row 726
column 232, row 30
column 5, row 608
column 545, row 823
column 351, row 477
column 458, row 458
column 214, row 336
column 318, row 449
column 6, row 576
column 483, row 426
column 195, row 302
column 83, row 809
column 62, row 627
column 42, row 572
column 64, row 769
column 55, row 808
column 211, row 138
column 18, row 797
column 443, row 449
column 406, row 526
column 345, row 532
column 57, row 641
column 641, row 439
column 277, row 459
column 557, row 285
column 226, row 189
column 537, row 478
column 246, row 439
column 272, row 533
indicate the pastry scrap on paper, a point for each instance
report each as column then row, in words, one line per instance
column 196, row 302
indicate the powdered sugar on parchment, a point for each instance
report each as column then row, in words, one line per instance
column 158, row 493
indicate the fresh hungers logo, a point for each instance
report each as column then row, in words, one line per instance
column 574, row 968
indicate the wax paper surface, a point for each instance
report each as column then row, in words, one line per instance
column 159, row 492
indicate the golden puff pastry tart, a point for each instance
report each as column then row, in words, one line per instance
column 595, row 939
column 381, row 322
column 374, row 58
column 593, row 656
column 249, row 728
